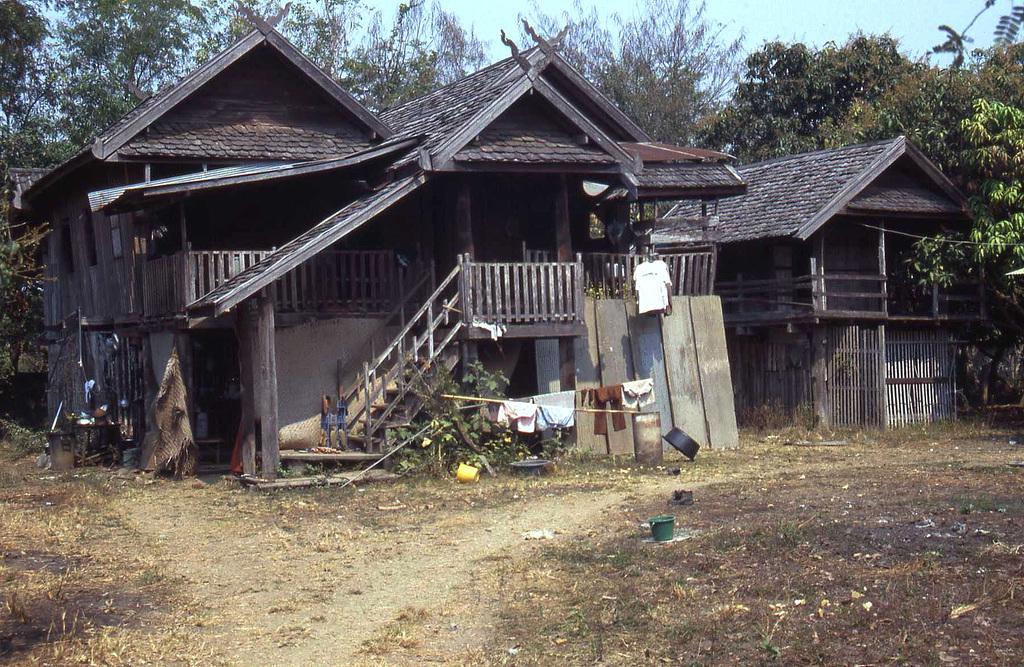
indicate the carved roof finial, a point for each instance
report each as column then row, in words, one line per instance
column 546, row 45
column 263, row 25
column 514, row 48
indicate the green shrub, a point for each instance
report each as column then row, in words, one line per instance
column 16, row 441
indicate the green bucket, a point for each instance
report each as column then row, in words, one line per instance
column 662, row 528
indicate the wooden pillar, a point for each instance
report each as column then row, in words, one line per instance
column 563, row 252
column 819, row 374
column 563, row 230
column 243, row 329
column 464, row 219
column 256, row 349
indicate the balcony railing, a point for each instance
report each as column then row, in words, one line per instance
column 521, row 292
column 359, row 281
column 610, row 274
column 846, row 295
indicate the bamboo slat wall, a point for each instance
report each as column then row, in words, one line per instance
column 522, row 292
column 856, row 375
column 920, row 376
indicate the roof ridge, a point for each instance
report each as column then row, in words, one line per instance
column 820, row 151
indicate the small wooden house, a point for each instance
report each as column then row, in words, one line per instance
column 821, row 309
column 290, row 243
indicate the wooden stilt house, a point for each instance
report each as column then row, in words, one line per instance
column 291, row 244
column 821, row 309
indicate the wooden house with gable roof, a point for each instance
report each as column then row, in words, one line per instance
column 289, row 242
column 820, row 307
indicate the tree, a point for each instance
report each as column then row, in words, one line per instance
column 668, row 66
column 110, row 47
column 792, row 98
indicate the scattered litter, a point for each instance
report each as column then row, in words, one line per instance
column 391, row 508
column 538, row 535
column 799, row 603
column 513, row 651
column 856, row 595
column 867, row 606
column 1016, row 464
column 674, row 471
column 680, row 535
column 927, row 523
column 681, row 497
column 962, row 609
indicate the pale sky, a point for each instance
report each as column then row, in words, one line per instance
column 914, row 22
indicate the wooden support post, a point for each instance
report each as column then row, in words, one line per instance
column 882, row 269
column 464, row 219
column 243, row 330
column 563, row 230
column 563, row 252
column 256, row 345
column 819, row 374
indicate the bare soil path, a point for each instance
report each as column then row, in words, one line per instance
column 325, row 589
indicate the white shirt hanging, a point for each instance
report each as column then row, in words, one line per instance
column 653, row 284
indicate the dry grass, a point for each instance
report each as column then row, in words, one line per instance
column 869, row 554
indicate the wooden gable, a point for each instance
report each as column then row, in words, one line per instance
column 261, row 107
column 533, row 132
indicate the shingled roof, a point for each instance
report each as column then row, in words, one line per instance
column 196, row 141
column 795, row 195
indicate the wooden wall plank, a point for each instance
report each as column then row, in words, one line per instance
column 649, row 360
column 713, row 362
column 682, row 371
column 615, row 362
column 588, row 375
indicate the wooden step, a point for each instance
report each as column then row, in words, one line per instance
column 340, row 456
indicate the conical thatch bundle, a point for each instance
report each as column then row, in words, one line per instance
column 169, row 443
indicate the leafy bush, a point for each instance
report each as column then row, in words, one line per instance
column 459, row 432
column 17, row 441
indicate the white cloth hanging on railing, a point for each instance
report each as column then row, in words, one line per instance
column 653, row 285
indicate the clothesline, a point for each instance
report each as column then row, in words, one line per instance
column 503, row 400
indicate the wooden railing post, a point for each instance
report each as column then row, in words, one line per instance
column 367, row 418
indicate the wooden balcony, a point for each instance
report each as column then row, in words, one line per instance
column 610, row 275
column 530, row 299
column 334, row 281
column 846, row 296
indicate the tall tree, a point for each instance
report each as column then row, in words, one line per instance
column 667, row 65
column 110, row 47
column 792, row 98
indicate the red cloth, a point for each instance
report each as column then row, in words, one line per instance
column 605, row 398
column 236, row 453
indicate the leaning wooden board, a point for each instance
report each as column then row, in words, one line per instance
column 616, row 364
column 683, row 373
column 713, row 362
column 649, row 360
column 588, row 375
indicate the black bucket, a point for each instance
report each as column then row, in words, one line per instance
column 684, row 443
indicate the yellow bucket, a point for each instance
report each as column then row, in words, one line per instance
column 467, row 473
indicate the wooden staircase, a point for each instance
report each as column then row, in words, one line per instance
column 381, row 397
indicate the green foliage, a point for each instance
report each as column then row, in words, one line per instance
column 16, row 441
column 792, row 98
column 666, row 65
column 459, row 433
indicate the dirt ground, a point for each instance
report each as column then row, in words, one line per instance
column 898, row 548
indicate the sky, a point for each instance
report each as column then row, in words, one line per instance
column 914, row 22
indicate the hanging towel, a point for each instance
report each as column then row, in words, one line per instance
column 638, row 394
column 555, row 416
column 519, row 416
column 564, row 399
column 495, row 330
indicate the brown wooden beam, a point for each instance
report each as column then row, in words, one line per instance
column 243, row 330
column 464, row 219
column 563, row 230
column 265, row 384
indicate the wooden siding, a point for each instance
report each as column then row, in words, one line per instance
column 855, row 362
column 770, row 372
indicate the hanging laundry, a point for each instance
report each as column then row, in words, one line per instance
column 638, row 394
column 495, row 330
column 565, row 399
column 555, row 416
column 519, row 416
column 606, row 398
column 653, row 286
